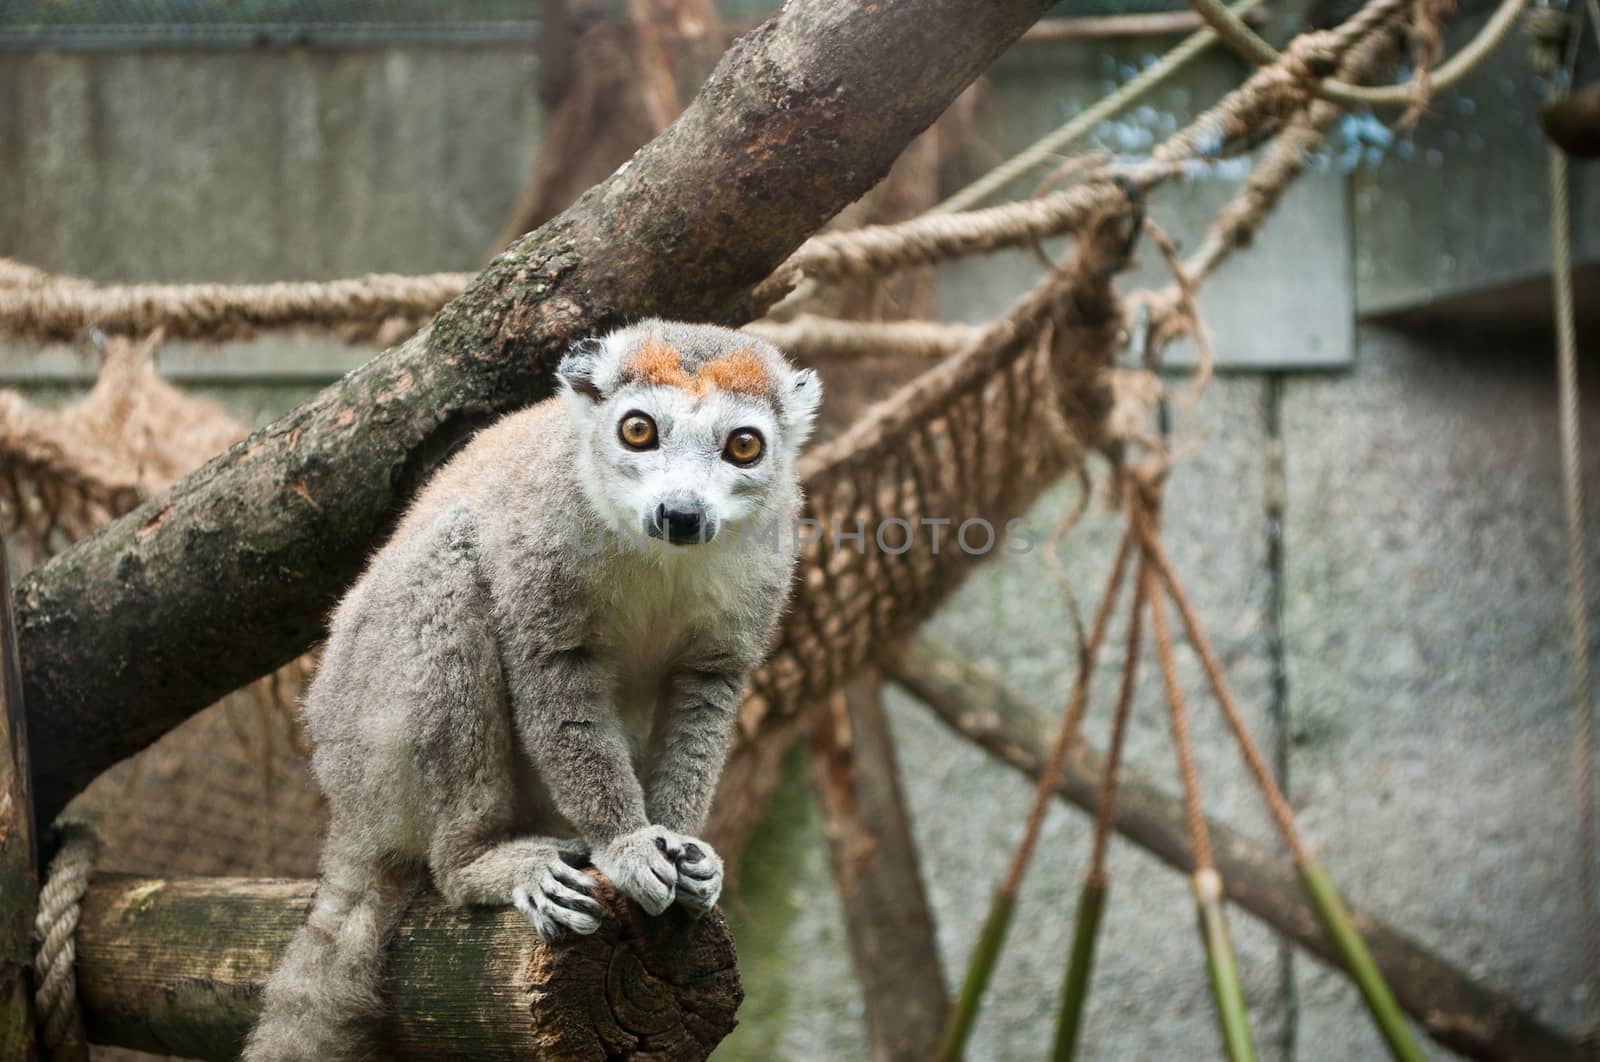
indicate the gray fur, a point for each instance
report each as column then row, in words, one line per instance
column 497, row 693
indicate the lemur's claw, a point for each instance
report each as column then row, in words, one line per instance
column 559, row 902
column 643, row 864
column 699, row 876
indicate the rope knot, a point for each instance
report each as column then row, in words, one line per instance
column 1547, row 28
column 1313, row 57
column 56, row 928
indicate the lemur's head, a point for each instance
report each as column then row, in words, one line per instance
column 688, row 429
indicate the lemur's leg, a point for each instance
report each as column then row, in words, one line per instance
column 475, row 856
column 461, row 747
column 466, row 768
column 688, row 746
column 529, row 873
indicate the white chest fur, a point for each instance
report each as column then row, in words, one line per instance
column 662, row 608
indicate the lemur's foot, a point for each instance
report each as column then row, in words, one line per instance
column 558, row 899
column 699, row 875
column 644, row 865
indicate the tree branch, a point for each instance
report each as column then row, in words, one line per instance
column 1456, row 1010
column 230, row 573
column 177, row 967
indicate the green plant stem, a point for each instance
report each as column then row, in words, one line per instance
column 1358, row 961
column 1224, row 970
column 959, row 1026
column 1080, row 969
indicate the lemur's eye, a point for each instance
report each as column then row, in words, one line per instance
column 744, row 447
column 637, row 431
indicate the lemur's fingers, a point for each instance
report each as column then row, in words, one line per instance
column 638, row 863
column 553, row 921
column 694, row 863
column 565, row 895
column 573, row 877
column 699, row 876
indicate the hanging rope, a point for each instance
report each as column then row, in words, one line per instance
column 56, row 927
column 1552, row 31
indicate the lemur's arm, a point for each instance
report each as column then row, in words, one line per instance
column 689, row 744
column 574, row 738
column 562, row 704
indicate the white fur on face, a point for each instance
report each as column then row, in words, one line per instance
column 627, row 486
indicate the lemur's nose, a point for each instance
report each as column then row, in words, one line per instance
column 682, row 522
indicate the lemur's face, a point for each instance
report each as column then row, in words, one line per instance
column 688, row 430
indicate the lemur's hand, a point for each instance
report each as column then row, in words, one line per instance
column 557, row 898
column 644, row 865
column 699, row 875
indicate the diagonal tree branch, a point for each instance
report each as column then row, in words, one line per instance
column 230, row 573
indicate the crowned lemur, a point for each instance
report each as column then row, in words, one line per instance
column 542, row 667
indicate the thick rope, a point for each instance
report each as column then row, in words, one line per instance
column 1237, row 224
column 56, row 927
column 1082, row 124
column 61, row 309
column 1248, row 43
column 932, row 238
column 817, row 338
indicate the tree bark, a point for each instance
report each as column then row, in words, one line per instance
column 229, row 574
column 177, row 967
column 891, row 927
column 19, row 867
column 1457, row 1011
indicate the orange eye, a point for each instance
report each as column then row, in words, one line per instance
column 744, row 447
column 637, row 431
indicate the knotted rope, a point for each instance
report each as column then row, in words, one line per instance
column 56, row 927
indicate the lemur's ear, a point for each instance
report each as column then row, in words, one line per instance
column 800, row 404
column 577, row 369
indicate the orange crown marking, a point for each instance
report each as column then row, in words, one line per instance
column 657, row 363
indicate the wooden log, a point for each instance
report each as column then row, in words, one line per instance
column 231, row 572
column 893, row 945
column 1459, row 1012
column 19, row 856
column 177, row 966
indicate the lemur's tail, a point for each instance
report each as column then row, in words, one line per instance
column 322, row 1002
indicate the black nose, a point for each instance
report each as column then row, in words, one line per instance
column 681, row 526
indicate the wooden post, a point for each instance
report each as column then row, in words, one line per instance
column 874, row 859
column 177, row 967
column 19, row 854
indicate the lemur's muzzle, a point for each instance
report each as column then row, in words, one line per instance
column 682, row 520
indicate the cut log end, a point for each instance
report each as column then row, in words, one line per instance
column 177, row 966
column 662, row 987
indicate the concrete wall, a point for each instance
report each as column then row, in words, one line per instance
column 1425, row 725
column 280, row 164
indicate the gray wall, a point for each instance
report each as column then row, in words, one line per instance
column 1425, row 724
